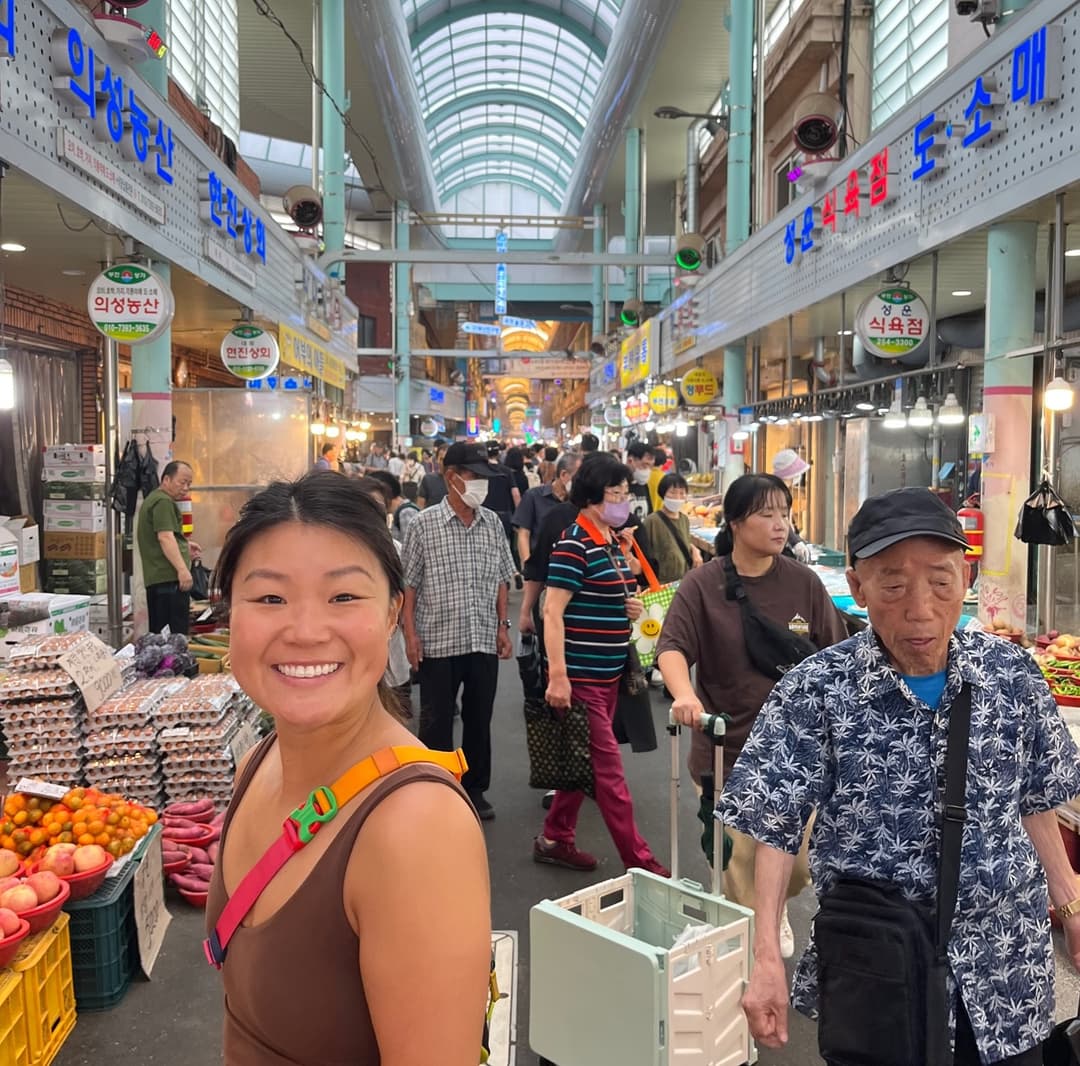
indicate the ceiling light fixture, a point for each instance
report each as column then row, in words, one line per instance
column 12, row 246
column 1072, row 253
column 7, row 386
column 921, row 416
column 951, row 413
column 318, row 429
column 895, row 419
column 961, row 292
column 1058, row 395
column 865, row 404
column 845, row 332
column 333, row 431
column 73, row 272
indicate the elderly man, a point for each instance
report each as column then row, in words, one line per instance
column 859, row 732
column 539, row 502
column 457, row 565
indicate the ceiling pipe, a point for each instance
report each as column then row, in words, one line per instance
column 693, row 173
column 635, row 47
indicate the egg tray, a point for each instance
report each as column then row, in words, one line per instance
column 122, row 741
column 41, row 684
column 43, row 651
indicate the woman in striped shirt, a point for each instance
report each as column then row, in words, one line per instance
column 589, row 605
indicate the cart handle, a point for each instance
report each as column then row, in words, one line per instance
column 713, row 725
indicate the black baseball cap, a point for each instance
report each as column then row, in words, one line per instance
column 470, row 456
column 885, row 520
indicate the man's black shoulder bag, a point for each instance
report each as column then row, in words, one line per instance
column 882, row 959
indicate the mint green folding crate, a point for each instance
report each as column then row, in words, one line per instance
column 606, row 986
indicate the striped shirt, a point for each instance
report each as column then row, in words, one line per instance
column 597, row 628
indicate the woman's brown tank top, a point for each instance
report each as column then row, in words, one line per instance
column 273, row 970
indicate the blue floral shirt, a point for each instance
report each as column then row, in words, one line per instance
column 842, row 733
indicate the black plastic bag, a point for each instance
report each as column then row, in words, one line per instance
column 200, row 581
column 1044, row 518
column 1062, row 1046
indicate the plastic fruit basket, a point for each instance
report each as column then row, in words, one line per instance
column 176, row 867
column 196, row 899
column 43, row 916
column 85, row 883
column 9, row 946
column 14, row 1038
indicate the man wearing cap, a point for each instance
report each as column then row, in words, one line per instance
column 789, row 465
column 858, row 732
column 457, row 564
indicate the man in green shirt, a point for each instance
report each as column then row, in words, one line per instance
column 166, row 555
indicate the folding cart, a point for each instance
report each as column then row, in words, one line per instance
column 607, row 986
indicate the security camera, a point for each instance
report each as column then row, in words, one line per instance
column 985, row 11
column 632, row 314
column 689, row 251
column 597, row 348
column 964, row 8
column 304, row 206
column 817, row 123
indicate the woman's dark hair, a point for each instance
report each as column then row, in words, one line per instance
column 669, row 482
column 551, row 454
column 638, row 449
column 745, row 496
column 391, row 481
column 514, row 460
column 659, row 456
column 378, row 489
column 321, row 498
column 594, row 477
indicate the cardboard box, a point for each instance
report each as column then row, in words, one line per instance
column 81, row 508
column 77, row 523
column 9, row 563
column 84, row 577
column 73, row 545
column 25, row 531
column 84, row 474
column 99, row 608
column 43, row 612
column 101, row 630
column 75, row 455
column 28, row 578
column 82, row 568
column 74, row 490
column 79, row 586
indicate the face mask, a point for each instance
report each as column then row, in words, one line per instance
column 615, row 514
column 474, row 493
column 567, row 487
column 674, row 506
column 641, row 477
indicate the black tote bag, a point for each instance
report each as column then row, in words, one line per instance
column 1045, row 518
column 558, row 741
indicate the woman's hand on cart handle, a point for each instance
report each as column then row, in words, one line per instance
column 689, row 711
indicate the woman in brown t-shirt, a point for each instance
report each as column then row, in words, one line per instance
column 324, row 967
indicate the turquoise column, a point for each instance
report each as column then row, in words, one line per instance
column 402, row 297
column 332, row 54
column 632, row 207
column 599, row 306
column 741, row 103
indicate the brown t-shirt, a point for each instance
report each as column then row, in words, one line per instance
column 706, row 627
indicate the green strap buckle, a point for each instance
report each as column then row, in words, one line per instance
column 304, row 822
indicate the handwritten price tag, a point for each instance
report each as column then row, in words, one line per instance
column 151, row 917
column 91, row 666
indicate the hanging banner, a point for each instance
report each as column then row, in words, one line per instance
column 311, row 357
column 699, row 386
column 130, row 304
column 250, row 353
column 635, row 356
column 662, row 399
column 893, row 322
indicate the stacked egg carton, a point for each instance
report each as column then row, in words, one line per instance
column 200, row 728
column 43, row 714
column 123, row 754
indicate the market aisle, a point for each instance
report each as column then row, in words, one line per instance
column 176, row 1018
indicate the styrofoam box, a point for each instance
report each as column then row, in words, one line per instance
column 73, row 473
column 67, row 614
column 9, row 563
column 75, row 455
column 25, row 531
column 101, row 630
column 74, row 523
column 607, row 986
column 84, row 508
column 99, row 608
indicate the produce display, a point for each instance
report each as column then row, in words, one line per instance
column 1059, row 660
column 190, row 847
column 1009, row 632
column 161, row 656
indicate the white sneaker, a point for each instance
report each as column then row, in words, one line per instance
column 787, row 936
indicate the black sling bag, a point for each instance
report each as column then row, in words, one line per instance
column 882, row 962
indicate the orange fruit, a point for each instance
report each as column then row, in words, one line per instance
column 102, row 839
column 37, row 837
column 151, row 817
column 113, row 819
column 86, row 838
column 95, row 827
column 66, row 838
column 35, row 815
column 21, row 818
column 79, row 828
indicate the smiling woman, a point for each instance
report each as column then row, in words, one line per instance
column 313, row 585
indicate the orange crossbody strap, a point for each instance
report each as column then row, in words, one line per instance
column 301, row 826
column 598, row 539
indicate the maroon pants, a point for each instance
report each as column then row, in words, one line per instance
column 612, row 795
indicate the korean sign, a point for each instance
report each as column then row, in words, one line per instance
column 310, row 357
column 501, row 282
column 699, row 386
column 130, row 304
column 221, row 206
column 249, row 352
column 635, row 356
column 892, row 322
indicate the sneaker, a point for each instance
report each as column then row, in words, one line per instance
column 655, row 867
column 559, row 854
column 548, row 800
column 484, row 810
column 787, row 936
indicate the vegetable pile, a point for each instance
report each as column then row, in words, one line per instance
column 190, row 837
column 161, row 656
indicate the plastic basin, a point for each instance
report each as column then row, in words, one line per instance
column 196, row 899
column 42, row 916
column 177, row 867
column 84, row 884
column 10, row 945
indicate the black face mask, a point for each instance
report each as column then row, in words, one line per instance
column 773, row 650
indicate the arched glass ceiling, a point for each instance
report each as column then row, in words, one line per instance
column 506, row 87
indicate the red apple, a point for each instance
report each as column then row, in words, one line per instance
column 9, row 923
column 9, row 863
column 20, row 898
column 62, row 863
column 46, row 885
column 9, row 882
column 89, row 857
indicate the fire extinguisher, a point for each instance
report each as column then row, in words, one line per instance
column 187, row 524
column 971, row 518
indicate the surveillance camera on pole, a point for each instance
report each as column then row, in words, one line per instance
column 817, row 123
column 632, row 313
column 690, row 251
column 304, row 206
column 985, row 11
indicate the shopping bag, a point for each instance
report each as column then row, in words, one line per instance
column 558, row 741
column 645, row 634
column 1062, row 1046
column 1044, row 518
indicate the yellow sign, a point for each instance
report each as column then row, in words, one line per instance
column 699, row 386
column 662, row 399
column 310, row 357
column 635, row 356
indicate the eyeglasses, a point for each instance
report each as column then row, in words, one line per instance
column 616, row 497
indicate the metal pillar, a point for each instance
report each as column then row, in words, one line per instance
column 741, row 48
column 632, row 208
column 402, row 297
column 114, row 566
column 316, row 94
column 693, row 174
column 761, row 168
column 332, row 55
column 1007, row 401
column 599, row 304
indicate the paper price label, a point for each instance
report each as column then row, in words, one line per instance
column 245, row 739
column 151, row 917
column 32, row 786
column 91, row 666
